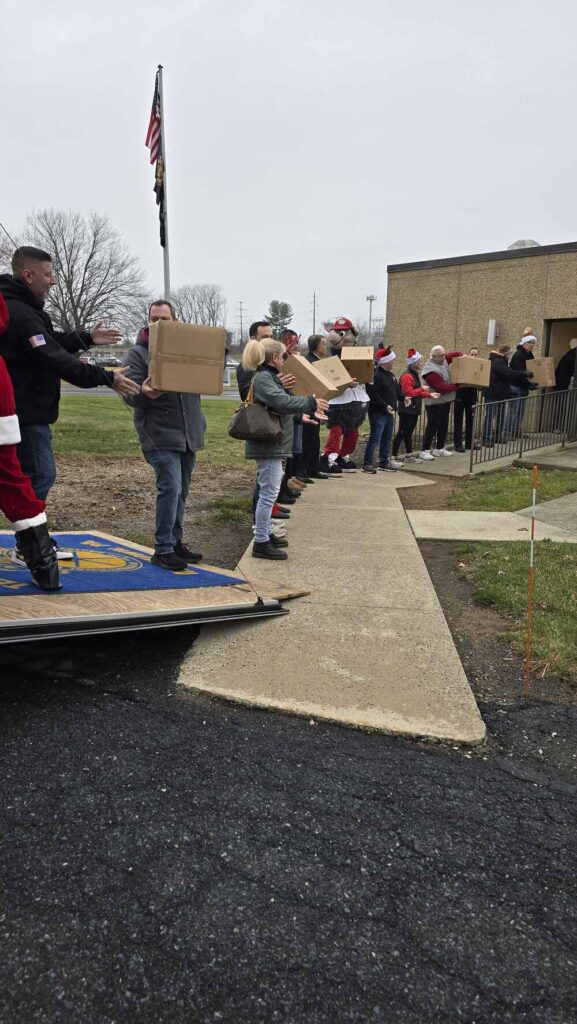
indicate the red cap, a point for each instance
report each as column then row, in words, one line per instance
column 342, row 323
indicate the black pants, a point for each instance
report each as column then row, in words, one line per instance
column 311, row 449
column 437, row 425
column 468, row 410
column 407, row 425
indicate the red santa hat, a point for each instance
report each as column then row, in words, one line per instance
column 413, row 356
column 342, row 323
column 385, row 355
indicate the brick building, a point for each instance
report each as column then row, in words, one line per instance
column 451, row 301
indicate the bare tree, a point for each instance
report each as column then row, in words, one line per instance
column 97, row 278
column 200, row 304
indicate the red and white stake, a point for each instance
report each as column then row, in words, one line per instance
column 530, row 592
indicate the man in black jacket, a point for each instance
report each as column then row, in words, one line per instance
column 499, row 390
column 317, row 350
column 520, row 389
column 465, row 401
column 38, row 357
column 383, row 402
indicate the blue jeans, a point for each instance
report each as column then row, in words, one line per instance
column 269, row 477
column 493, row 422
column 173, row 471
column 382, row 424
column 516, row 411
column 37, row 458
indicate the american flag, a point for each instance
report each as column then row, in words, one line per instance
column 153, row 142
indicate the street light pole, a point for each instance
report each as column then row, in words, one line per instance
column 370, row 300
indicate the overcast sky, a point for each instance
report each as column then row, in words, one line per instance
column 309, row 142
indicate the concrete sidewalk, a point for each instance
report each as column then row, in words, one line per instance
column 370, row 646
column 494, row 526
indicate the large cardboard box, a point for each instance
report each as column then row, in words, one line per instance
column 474, row 373
column 360, row 362
column 543, row 370
column 309, row 381
column 335, row 373
column 186, row 357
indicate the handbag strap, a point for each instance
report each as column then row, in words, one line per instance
column 249, row 396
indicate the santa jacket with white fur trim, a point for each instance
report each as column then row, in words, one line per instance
column 17, row 499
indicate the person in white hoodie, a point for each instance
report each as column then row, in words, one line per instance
column 346, row 411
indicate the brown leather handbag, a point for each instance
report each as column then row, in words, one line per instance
column 254, row 422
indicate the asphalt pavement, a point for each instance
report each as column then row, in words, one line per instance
column 166, row 857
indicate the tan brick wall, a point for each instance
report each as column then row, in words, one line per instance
column 451, row 306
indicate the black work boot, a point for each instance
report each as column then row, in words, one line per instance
column 264, row 549
column 39, row 553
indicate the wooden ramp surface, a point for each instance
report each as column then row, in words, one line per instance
column 42, row 615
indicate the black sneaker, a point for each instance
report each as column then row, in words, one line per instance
column 331, row 469
column 459, row 448
column 188, row 555
column 369, row 469
column 305, row 479
column 319, row 476
column 278, row 542
column 286, row 499
column 169, row 560
column 267, row 550
column 346, row 464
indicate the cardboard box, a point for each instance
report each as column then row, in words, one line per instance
column 309, row 381
column 473, row 373
column 335, row 374
column 543, row 370
column 360, row 362
column 186, row 357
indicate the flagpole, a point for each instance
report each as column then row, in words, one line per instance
column 166, row 255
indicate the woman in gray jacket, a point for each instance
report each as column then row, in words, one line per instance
column 266, row 358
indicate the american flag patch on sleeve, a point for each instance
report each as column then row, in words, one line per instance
column 36, row 340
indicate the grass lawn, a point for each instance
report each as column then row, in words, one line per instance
column 104, row 426
column 510, row 489
column 500, row 573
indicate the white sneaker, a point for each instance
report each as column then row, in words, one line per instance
column 395, row 464
column 426, row 457
column 441, row 451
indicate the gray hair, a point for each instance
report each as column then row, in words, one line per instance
column 437, row 348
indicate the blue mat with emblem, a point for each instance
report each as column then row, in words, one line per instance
column 104, row 564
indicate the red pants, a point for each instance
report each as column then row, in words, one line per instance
column 17, row 499
column 341, row 442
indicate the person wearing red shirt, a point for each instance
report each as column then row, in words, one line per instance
column 409, row 405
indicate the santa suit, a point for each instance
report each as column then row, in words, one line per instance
column 18, row 501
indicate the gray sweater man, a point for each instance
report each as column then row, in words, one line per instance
column 170, row 428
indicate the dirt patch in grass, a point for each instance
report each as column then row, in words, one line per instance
column 435, row 496
column 118, row 496
column 492, row 667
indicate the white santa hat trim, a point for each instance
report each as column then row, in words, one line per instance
column 387, row 359
column 528, row 337
column 25, row 524
column 9, row 430
column 414, row 358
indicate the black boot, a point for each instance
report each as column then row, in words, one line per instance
column 39, row 553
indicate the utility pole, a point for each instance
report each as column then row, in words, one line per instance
column 241, row 328
column 370, row 300
column 314, row 312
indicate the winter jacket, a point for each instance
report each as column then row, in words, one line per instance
column 502, row 376
column 565, row 370
column 409, row 386
column 172, row 422
column 38, row 357
column 438, row 378
column 519, row 362
column 243, row 380
column 383, row 391
column 269, row 391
